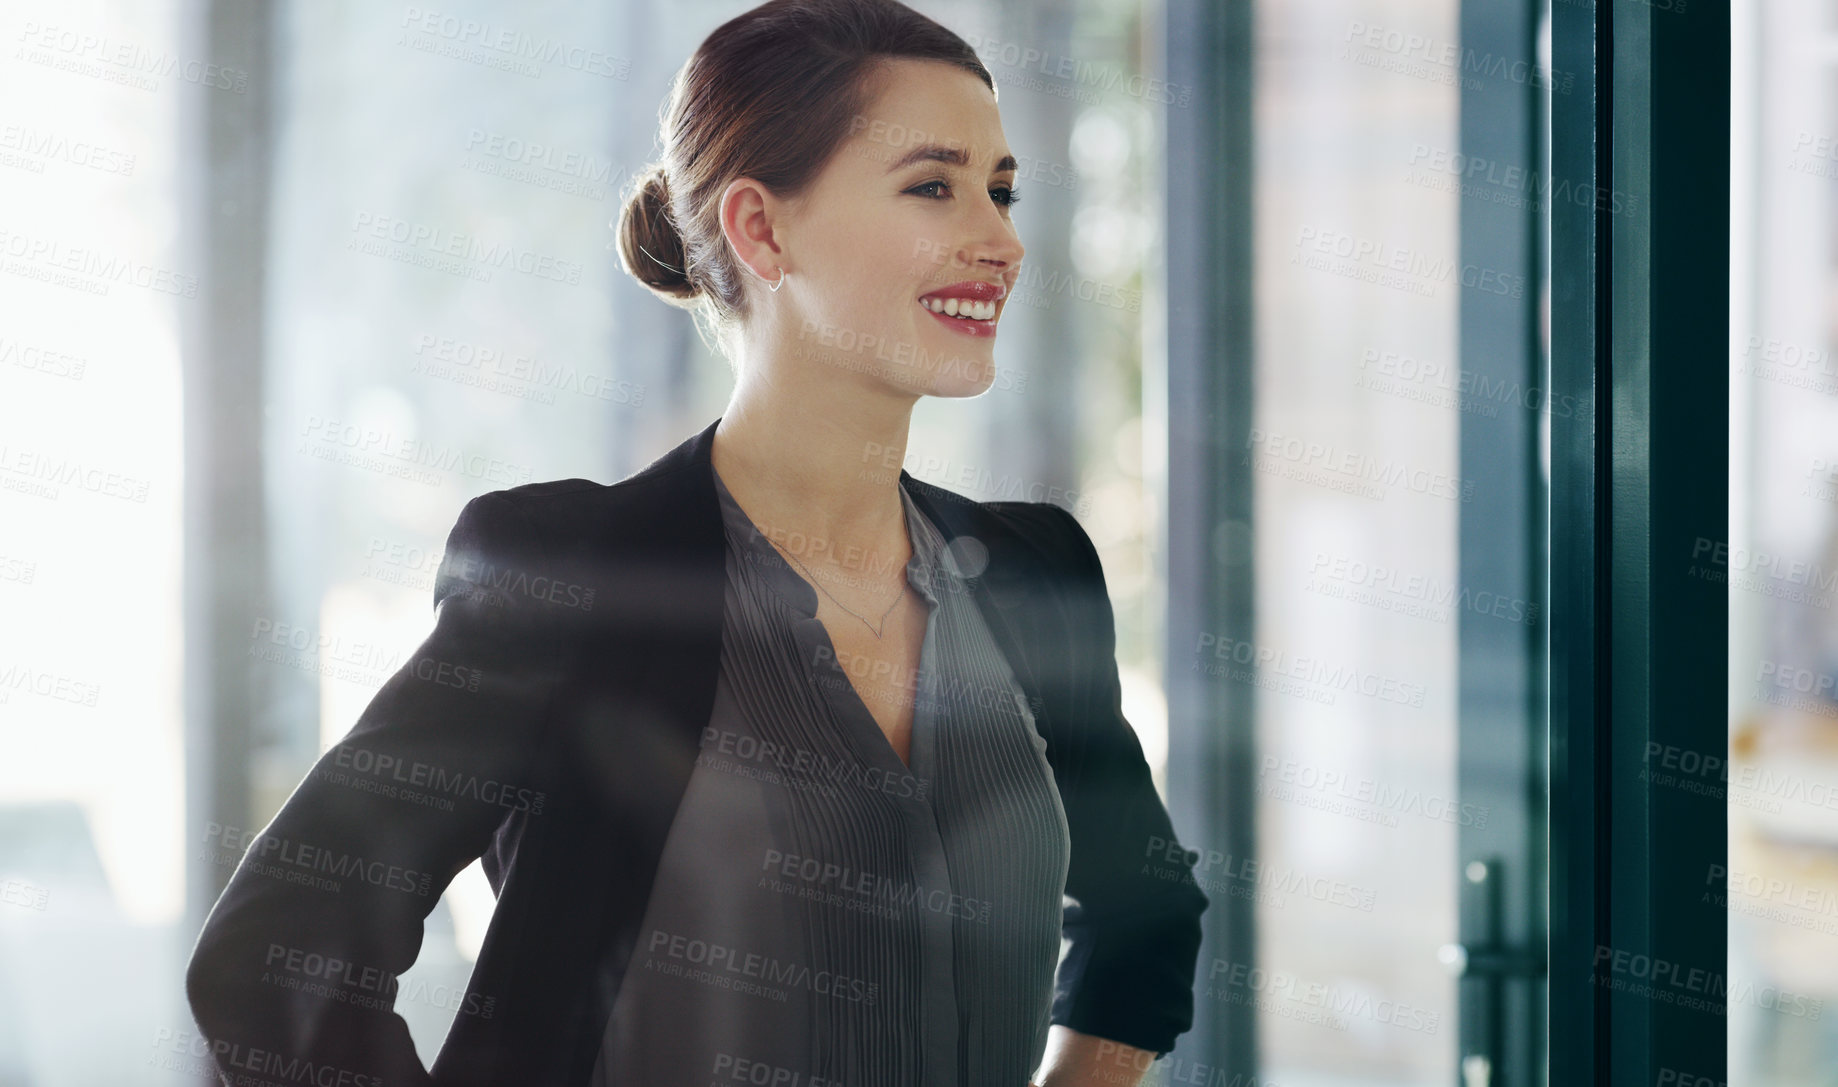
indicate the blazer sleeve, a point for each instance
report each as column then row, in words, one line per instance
column 1134, row 926
column 296, row 964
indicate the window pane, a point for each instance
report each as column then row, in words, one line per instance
column 93, row 290
column 1781, row 561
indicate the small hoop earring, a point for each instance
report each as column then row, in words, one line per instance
column 775, row 287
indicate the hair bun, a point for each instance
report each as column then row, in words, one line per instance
column 649, row 245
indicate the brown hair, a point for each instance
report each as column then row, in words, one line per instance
column 771, row 94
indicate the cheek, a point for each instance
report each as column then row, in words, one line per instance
column 864, row 276
column 906, row 250
column 874, row 270
column 927, row 258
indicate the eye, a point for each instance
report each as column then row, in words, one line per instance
column 1003, row 194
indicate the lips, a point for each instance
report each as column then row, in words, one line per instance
column 972, row 299
column 977, row 290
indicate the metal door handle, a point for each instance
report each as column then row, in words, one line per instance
column 1492, row 963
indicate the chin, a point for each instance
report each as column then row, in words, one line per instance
column 960, row 376
column 964, row 387
column 956, row 377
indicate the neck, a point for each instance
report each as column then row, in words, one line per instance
column 817, row 453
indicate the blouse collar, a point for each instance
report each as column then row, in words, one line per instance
column 924, row 571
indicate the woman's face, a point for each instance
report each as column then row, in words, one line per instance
column 913, row 209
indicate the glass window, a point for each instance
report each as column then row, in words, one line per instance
column 1781, row 560
column 1356, row 455
column 93, row 291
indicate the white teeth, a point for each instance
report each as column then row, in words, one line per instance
column 961, row 307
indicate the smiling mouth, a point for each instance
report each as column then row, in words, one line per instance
column 962, row 309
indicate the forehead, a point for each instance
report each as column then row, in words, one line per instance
column 925, row 102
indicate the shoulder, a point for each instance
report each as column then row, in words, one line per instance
column 552, row 535
column 1024, row 537
column 535, row 499
column 1050, row 528
column 517, row 520
column 552, row 510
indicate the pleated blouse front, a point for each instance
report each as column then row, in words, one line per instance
column 824, row 914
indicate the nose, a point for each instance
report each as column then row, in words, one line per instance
column 1000, row 248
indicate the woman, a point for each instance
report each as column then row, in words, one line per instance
column 778, row 764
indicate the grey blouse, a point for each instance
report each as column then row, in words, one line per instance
column 823, row 914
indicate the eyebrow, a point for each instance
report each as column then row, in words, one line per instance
column 955, row 156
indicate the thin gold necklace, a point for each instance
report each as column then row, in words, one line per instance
column 901, row 595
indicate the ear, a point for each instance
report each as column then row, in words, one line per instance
column 748, row 220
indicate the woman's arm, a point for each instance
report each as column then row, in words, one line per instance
column 1134, row 927
column 1084, row 1060
column 330, row 898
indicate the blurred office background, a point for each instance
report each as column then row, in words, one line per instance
column 1782, row 562
column 200, row 297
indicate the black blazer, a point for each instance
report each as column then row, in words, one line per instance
column 549, row 725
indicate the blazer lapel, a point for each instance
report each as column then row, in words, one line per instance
column 997, row 575
column 662, row 556
column 659, row 555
